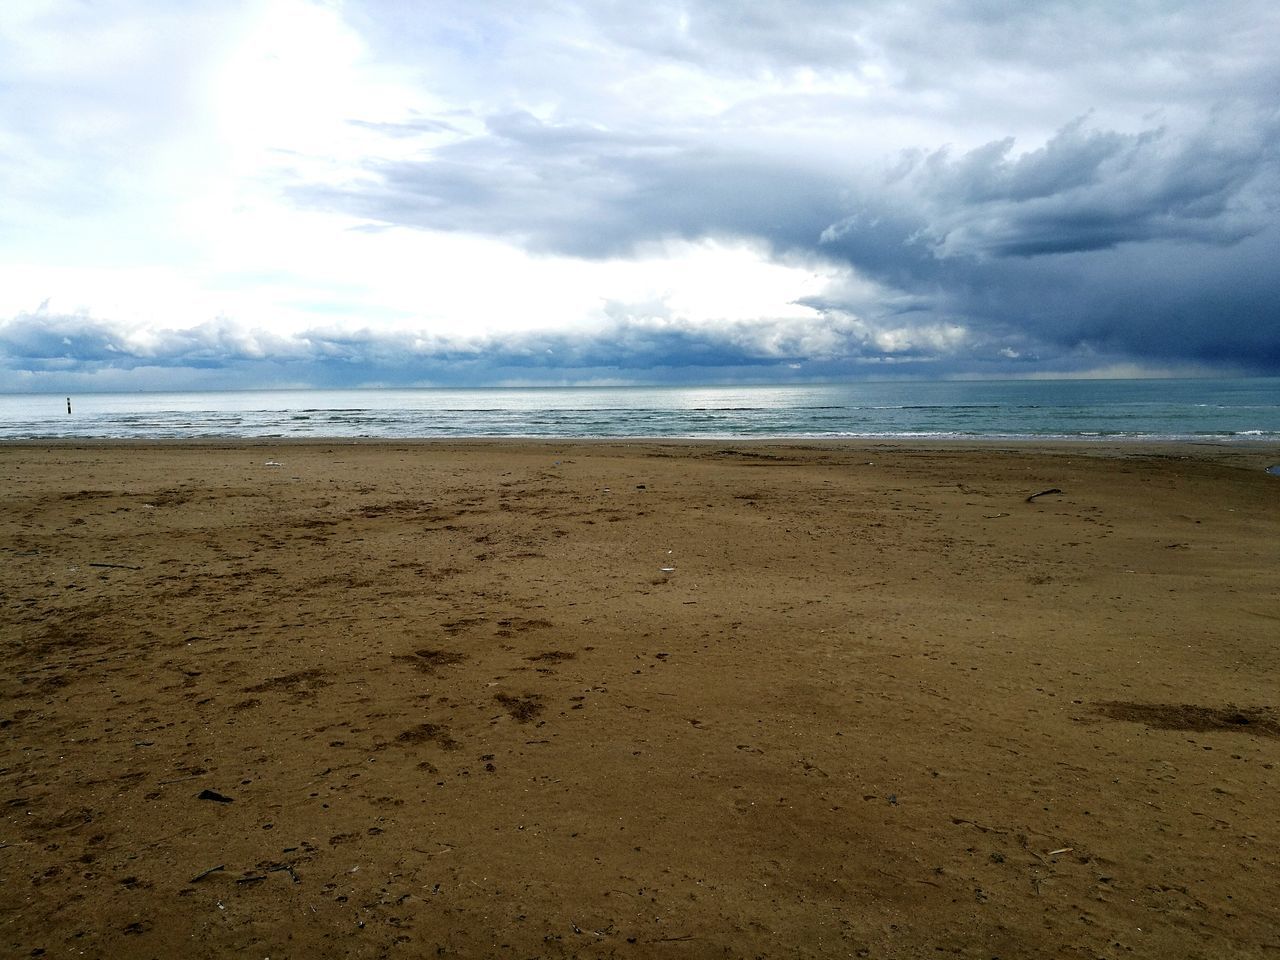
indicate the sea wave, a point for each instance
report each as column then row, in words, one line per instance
column 1218, row 411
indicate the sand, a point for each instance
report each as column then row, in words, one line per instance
column 638, row 700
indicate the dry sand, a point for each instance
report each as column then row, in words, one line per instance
column 880, row 704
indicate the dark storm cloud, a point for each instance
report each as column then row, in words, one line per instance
column 1096, row 237
column 1137, row 216
column 1148, row 245
column 1167, row 302
column 1094, row 189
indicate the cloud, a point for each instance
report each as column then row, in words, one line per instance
column 948, row 189
column 1089, row 241
column 587, row 192
column 636, row 343
column 1092, row 189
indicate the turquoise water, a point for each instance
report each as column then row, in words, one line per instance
column 1237, row 409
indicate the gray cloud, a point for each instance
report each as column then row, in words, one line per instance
column 635, row 343
column 590, row 192
column 1097, row 238
column 1093, row 189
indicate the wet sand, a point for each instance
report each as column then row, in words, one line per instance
column 638, row 700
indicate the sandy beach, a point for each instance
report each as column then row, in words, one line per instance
column 505, row 699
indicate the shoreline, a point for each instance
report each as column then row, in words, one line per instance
column 1250, row 454
column 638, row 698
column 779, row 441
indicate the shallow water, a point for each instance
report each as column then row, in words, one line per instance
column 1238, row 409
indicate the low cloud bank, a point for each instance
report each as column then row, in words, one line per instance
column 72, row 352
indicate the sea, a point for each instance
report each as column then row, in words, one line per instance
column 1211, row 410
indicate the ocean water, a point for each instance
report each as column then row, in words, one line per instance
column 1219, row 410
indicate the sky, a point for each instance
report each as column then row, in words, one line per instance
column 288, row 193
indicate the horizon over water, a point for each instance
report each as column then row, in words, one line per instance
column 1241, row 409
